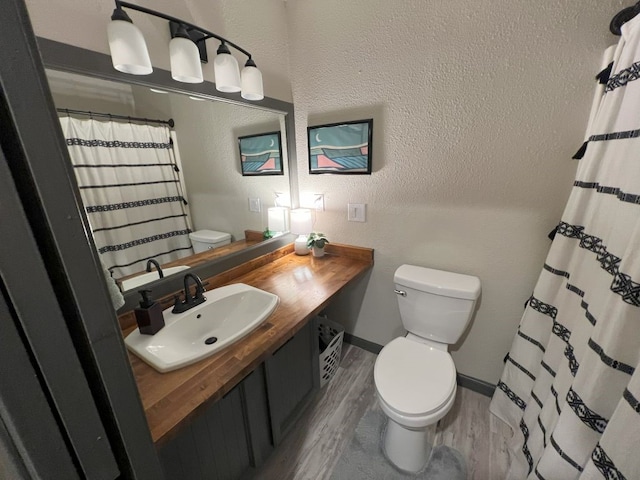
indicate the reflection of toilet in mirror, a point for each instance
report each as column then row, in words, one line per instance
column 415, row 376
column 204, row 240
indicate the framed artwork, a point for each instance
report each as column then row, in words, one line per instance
column 341, row 147
column 261, row 154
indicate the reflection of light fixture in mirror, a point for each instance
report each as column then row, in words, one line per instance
column 199, row 99
column 301, row 225
column 185, row 58
column 277, row 219
column 157, row 90
column 129, row 53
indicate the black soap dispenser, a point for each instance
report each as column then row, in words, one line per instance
column 149, row 315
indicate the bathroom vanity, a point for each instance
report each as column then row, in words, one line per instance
column 221, row 417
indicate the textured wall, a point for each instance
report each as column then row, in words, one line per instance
column 256, row 25
column 478, row 108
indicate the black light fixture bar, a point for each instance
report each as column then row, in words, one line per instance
column 190, row 26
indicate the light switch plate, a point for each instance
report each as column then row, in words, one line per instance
column 357, row 212
column 254, row 204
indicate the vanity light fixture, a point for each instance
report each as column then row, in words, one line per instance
column 226, row 70
column 185, row 58
column 251, row 82
column 187, row 50
column 129, row 52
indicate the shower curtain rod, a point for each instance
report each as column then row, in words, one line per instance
column 622, row 17
column 68, row 111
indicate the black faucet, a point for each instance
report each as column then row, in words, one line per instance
column 189, row 301
column 152, row 261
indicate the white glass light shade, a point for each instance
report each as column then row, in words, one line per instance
column 277, row 219
column 301, row 223
column 227, row 73
column 185, row 61
column 251, row 82
column 129, row 52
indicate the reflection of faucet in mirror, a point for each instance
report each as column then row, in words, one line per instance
column 189, row 301
column 151, row 262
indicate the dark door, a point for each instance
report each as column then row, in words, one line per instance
column 54, row 296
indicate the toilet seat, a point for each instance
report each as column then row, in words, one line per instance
column 415, row 381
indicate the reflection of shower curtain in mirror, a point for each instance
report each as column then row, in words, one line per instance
column 570, row 388
column 130, row 186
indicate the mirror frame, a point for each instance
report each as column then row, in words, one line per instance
column 69, row 58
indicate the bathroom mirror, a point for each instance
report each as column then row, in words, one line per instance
column 207, row 124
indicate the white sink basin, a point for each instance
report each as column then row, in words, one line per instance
column 228, row 314
column 150, row 277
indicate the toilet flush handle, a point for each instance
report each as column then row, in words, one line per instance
column 400, row 292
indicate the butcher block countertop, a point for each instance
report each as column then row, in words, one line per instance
column 305, row 285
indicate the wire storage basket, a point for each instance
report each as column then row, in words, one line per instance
column 330, row 336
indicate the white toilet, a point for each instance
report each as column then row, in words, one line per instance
column 415, row 376
column 203, row 240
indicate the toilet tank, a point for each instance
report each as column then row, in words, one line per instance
column 435, row 304
column 203, row 240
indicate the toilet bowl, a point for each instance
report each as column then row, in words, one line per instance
column 415, row 377
column 416, row 387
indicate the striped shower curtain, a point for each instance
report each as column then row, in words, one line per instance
column 570, row 389
column 130, row 186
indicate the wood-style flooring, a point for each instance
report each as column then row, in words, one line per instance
column 312, row 449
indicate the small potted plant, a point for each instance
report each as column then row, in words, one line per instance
column 316, row 243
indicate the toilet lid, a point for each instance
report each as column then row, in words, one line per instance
column 414, row 378
column 209, row 236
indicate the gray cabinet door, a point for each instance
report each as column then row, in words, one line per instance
column 213, row 446
column 291, row 379
column 256, row 405
column 55, row 289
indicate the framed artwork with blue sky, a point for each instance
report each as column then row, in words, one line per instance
column 261, row 154
column 341, row 147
